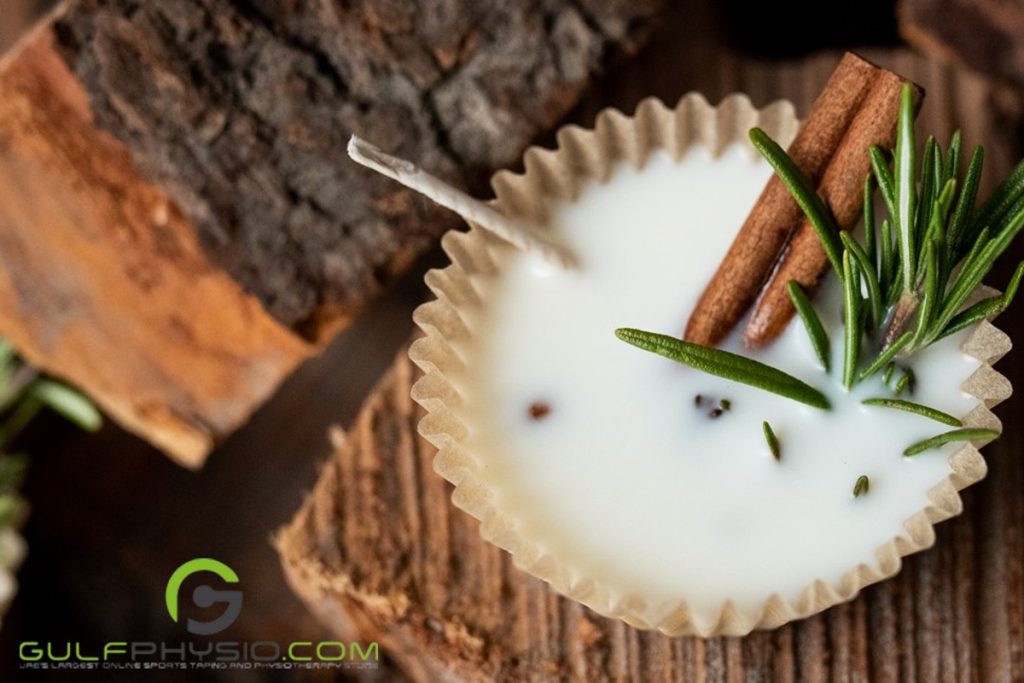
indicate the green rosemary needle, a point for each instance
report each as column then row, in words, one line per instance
column 887, row 375
column 861, row 486
column 883, row 174
column 772, row 440
column 966, row 434
column 917, row 408
column 985, row 308
column 906, row 186
column 1008, row 192
column 867, row 269
column 67, row 402
column 812, row 323
column 852, row 321
column 804, row 194
column 724, row 364
column 868, row 211
column 905, row 382
column 965, row 202
column 887, row 356
column 926, row 311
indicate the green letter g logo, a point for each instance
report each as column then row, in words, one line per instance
column 205, row 596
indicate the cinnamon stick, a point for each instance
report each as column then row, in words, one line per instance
column 775, row 217
column 842, row 188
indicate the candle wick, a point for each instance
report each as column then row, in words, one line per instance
column 473, row 210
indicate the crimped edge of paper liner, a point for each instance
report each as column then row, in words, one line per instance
column 584, row 156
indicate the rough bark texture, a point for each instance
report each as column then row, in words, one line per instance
column 104, row 281
column 987, row 35
column 378, row 551
column 178, row 217
column 241, row 110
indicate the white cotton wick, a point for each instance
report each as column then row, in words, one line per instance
column 405, row 172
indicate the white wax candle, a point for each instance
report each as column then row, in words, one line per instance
column 626, row 480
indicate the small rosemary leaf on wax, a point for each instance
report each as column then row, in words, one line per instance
column 861, row 486
column 887, row 375
column 771, row 440
column 917, row 408
column 905, row 382
column 724, row 364
column 965, row 434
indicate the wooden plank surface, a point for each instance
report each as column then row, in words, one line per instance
column 982, row 35
column 378, row 550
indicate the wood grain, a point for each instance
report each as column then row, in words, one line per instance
column 379, row 552
column 985, row 35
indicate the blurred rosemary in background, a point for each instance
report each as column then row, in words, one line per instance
column 24, row 393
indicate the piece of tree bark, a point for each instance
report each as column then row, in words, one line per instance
column 242, row 111
column 179, row 222
column 986, row 35
column 379, row 552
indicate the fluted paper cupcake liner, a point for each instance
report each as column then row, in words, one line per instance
column 588, row 156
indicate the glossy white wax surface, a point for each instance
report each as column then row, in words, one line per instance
column 626, row 480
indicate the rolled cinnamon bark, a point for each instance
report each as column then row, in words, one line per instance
column 842, row 188
column 775, row 217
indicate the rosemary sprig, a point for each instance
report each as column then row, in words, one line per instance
column 918, row 265
column 917, row 408
column 773, row 441
column 724, row 364
column 812, row 323
column 23, row 394
column 966, row 434
column 861, row 486
column 986, row 308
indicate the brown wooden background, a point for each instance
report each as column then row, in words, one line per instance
column 112, row 518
